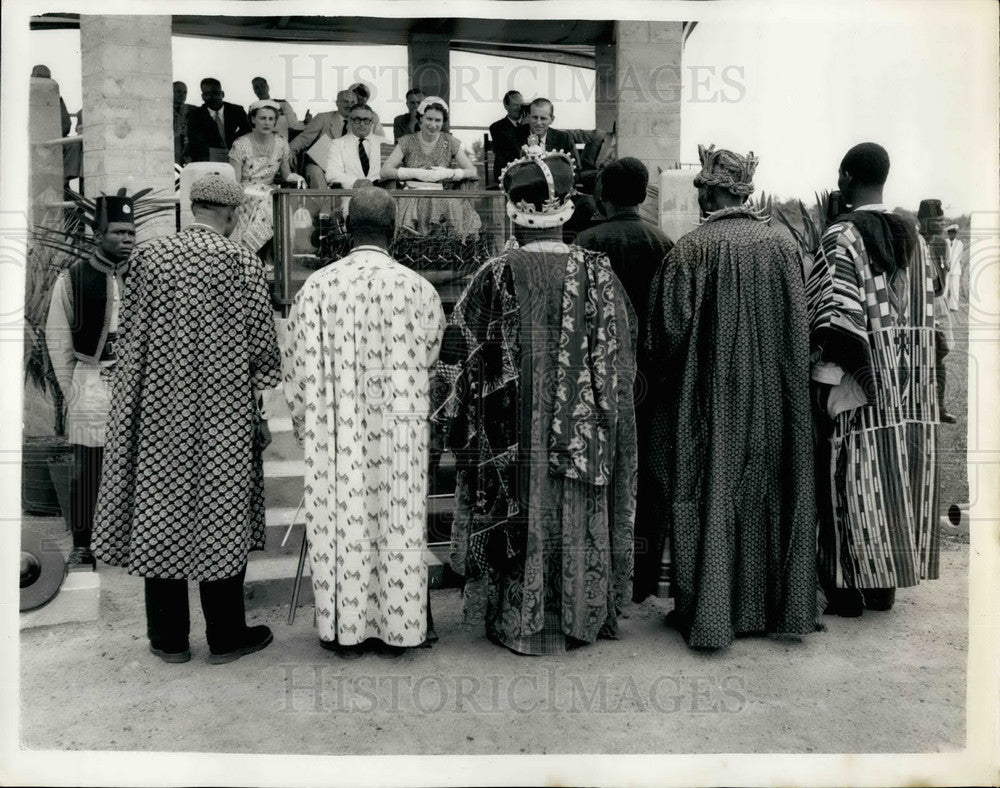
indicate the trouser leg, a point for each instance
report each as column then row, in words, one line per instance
column 225, row 613
column 168, row 619
column 83, row 489
column 940, row 351
column 315, row 176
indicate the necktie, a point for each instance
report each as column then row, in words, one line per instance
column 363, row 156
column 221, row 126
column 343, row 130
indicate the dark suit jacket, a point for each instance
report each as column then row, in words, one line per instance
column 505, row 145
column 202, row 133
column 554, row 140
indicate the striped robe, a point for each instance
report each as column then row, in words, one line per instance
column 878, row 484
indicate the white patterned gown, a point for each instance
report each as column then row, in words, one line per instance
column 361, row 339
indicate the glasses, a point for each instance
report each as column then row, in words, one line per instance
column 362, row 120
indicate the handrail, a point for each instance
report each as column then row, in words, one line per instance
column 60, row 141
column 148, row 200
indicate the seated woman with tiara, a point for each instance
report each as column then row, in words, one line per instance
column 257, row 157
column 432, row 159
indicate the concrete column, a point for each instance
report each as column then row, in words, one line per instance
column 647, row 77
column 45, row 170
column 605, row 89
column 429, row 62
column 128, row 108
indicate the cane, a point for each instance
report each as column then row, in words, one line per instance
column 298, row 579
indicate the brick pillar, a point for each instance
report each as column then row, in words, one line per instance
column 45, row 170
column 647, row 76
column 429, row 62
column 128, row 108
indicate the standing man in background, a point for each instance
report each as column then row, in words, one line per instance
column 504, row 133
column 409, row 121
column 81, row 334
column 214, row 126
column 931, row 218
column 635, row 249
column 953, row 282
column 287, row 118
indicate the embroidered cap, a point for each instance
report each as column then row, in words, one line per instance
column 538, row 188
column 930, row 209
column 216, row 190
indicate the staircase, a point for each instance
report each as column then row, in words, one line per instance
column 271, row 572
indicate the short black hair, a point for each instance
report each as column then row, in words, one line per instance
column 540, row 101
column 508, row 94
column 212, row 82
column 414, row 92
column 867, row 163
column 624, row 182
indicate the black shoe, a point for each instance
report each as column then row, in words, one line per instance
column 948, row 418
column 80, row 558
column 387, row 651
column 344, row 652
column 254, row 639
column 846, row 603
column 173, row 657
column 879, row 598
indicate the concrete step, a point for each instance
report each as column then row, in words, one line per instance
column 270, row 580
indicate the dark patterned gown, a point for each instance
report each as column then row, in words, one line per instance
column 731, row 436
column 182, row 493
column 536, row 375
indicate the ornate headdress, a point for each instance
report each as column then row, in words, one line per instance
column 538, row 187
column 216, row 190
column 727, row 170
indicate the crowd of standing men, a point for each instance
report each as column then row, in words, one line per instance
column 768, row 422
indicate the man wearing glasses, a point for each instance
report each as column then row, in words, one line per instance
column 355, row 158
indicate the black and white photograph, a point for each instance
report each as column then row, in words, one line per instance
column 500, row 393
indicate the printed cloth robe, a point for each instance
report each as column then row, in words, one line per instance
column 878, row 499
column 182, row 492
column 361, row 339
column 534, row 395
column 731, row 437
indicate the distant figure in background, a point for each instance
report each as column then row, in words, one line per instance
column 409, row 121
column 181, row 112
column 362, row 336
column 214, row 126
column 503, row 133
column 635, row 249
column 953, row 283
column 182, row 498
column 931, row 218
column 73, row 156
column 364, row 96
column 286, row 114
column 730, row 442
column 257, row 158
column 872, row 341
column 81, row 334
column 314, row 140
column 43, row 72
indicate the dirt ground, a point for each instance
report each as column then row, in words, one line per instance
column 887, row 682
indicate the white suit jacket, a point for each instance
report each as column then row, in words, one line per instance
column 343, row 164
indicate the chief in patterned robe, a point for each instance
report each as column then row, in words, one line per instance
column 182, row 493
column 731, row 437
column 871, row 307
column 362, row 336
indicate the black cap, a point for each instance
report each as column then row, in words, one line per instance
column 113, row 209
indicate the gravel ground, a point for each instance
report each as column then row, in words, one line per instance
column 887, row 682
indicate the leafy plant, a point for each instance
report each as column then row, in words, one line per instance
column 808, row 227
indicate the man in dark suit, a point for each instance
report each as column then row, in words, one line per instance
column 409, row 121
column 215, row 125
column 540, row 117
column 504, row 133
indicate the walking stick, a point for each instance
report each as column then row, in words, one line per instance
column 302, row 560
column 298, row 579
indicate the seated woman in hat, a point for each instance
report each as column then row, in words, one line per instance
column 257, row 157
column 432, row 159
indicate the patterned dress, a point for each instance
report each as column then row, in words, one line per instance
column 182, row 494
column 255, row 217
column 535, row 385
column 362, row 336
column 435, row 215
column 731, row 438
column 878, row 513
